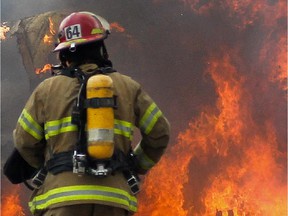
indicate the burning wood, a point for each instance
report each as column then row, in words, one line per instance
column 35, row 38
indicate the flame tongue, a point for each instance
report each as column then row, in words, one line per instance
column 46, row 68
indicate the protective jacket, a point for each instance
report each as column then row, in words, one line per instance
column 44, row 128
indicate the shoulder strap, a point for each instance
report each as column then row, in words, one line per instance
column 72, row 72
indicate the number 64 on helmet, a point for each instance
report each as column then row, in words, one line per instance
column 80, row 28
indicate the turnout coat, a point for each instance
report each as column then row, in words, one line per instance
column 44, row 128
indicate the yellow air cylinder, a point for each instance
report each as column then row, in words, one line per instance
column 100, row 121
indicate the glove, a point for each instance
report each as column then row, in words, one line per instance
column 16, row 169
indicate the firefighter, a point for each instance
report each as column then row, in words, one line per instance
column 52, row 137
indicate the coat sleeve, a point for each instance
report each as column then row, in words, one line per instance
column 155, row 131
column 29, row 132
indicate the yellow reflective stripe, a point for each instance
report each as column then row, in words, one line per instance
column 67, row 43
column 150, row 118
column 96, row 31
column 123, row 128
column 53, row 128
column 56, row 127
column 81, row 193
column 30, row 125
column 144, row 161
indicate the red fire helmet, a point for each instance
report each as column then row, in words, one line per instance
column 79, row 28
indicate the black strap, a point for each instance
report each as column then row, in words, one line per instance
column 72, row 72
column 60, row 162
column 64, row 162
column 100, row 102
column 119, row 163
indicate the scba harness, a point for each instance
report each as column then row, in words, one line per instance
column 79, row 160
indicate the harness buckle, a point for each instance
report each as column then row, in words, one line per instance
column 133, row 184
column 100, row 171
column 79, row 163
column 39, row 178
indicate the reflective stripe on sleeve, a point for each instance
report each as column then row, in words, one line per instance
column 56, row 127
column 150, row 118
column 144, row 161
column 30, row 125
column 123, row 128
column 83, row 193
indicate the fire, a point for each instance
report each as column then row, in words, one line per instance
column 46, row 68
column 117, row 27
column 49, row 38
column 252, row 182
column 222, row 162
column 51, row 26
column 10, row 205
column 230, row 161
column 3, row 30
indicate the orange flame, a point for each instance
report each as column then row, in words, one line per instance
column 46, row 68
column 48, row 38
column 51, row 26
column 3, row 30
column 117, row 27
column 10, row 205
column 252, row 184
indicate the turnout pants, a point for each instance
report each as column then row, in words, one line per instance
column 84, row 210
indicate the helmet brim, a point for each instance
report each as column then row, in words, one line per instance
column 77, row 42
